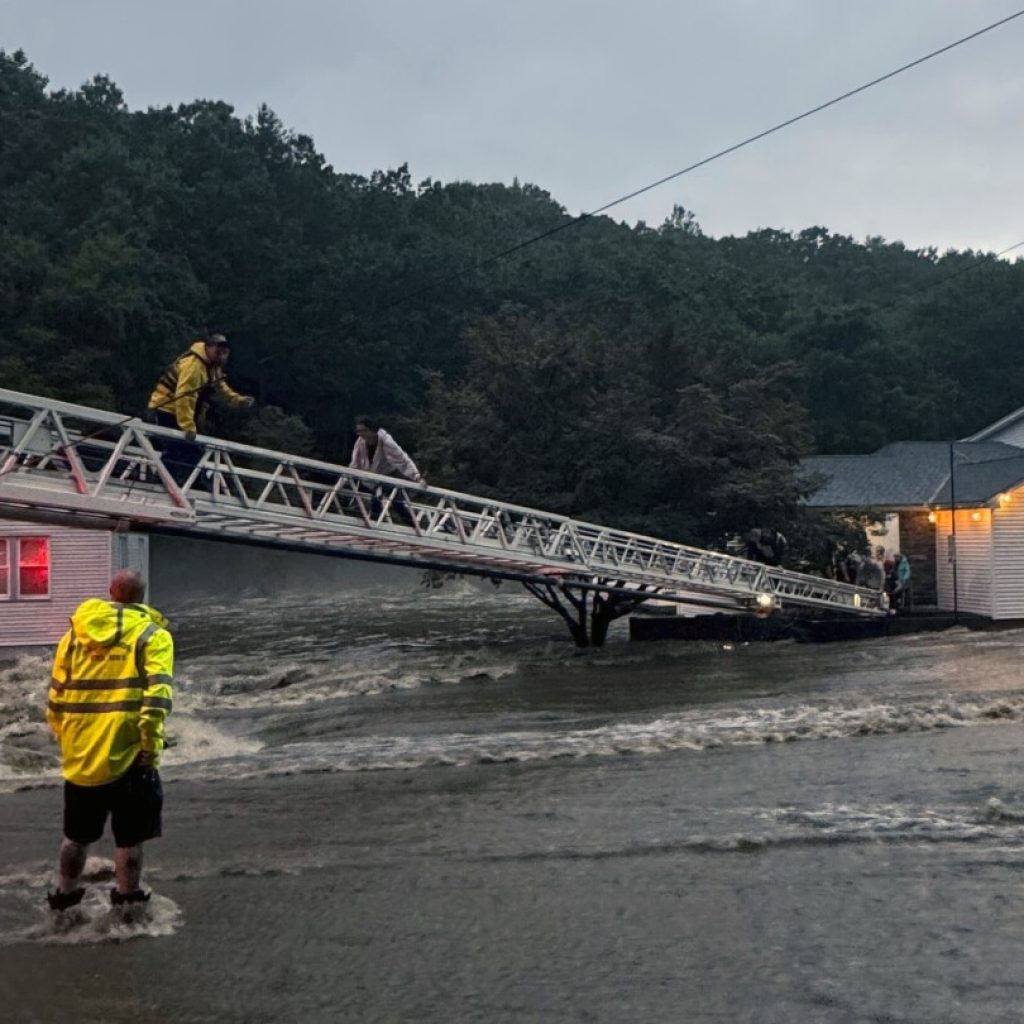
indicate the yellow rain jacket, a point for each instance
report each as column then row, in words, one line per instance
column 111, row 689
column 188, row 384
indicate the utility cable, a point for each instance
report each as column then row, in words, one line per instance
column 990, row 258
column 573, row 222
column 581, row 218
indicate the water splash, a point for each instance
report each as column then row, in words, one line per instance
column 697, row 730
column 92, row 922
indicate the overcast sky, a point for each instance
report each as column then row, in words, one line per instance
column 590, row 99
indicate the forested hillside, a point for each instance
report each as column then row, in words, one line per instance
column 650, row 377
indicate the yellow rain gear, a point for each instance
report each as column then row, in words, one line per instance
column 188, row 384
column 111, row 689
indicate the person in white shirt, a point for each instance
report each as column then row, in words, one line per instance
column 376, row 451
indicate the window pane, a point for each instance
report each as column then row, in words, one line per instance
column 34, row 582
column 35, row 551
column 5, row 588
column 34, row 567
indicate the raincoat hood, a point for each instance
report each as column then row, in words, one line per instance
column 110, row 690
column 198, row 348
column 103, row 623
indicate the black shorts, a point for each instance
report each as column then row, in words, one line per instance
column 134, row 803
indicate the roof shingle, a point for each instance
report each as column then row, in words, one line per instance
column 913, row 473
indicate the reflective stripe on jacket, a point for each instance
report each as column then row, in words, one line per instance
column 186, row 386
column 111, row 689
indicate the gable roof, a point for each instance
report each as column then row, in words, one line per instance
column 910, row 474
column 994, row 429
column 980, row 482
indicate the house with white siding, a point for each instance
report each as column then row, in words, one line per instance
column 47, row 571
column 954, row 509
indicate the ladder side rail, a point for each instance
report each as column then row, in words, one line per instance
column 486, row 523
column 162, row 472
column 329, row 498
column 302, row 492
column 781, row 578
column 45, row 466
column 204, row 464
column 436, row 517
column 20, row 447
column 70, row 454
column 551, row 528
column 268, row 488
column 236, row 480
column 83, row 412
column 107, row 472
column 454, row 559
column 574, row 545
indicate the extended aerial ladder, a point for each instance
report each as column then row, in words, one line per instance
column 73, row 465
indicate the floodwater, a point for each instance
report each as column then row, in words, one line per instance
column 403, row 804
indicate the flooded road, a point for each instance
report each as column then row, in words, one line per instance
column 399, row 803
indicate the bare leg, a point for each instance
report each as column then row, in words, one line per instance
column 70, row 865
column 128, row 868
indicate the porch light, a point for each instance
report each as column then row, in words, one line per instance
column 932, row 517
column 1004, row 499
column 976, row 515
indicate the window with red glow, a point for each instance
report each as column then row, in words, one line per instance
column 34, row 567
column 5, row 575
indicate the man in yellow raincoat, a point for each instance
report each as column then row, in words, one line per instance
column 108, row 698
column 181, row 397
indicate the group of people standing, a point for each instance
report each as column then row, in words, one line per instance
column 897, row 580
column 875, row 570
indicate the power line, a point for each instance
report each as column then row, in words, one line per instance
column 573, row 222
column 990, row 258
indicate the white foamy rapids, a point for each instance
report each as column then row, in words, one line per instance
column 21, row 684
column 27, row 749
column 27, row 919
column 694, row 730
column 28, row 752
column 191, row 741
column 225, row 681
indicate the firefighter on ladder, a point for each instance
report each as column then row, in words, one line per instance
column 182, row 394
